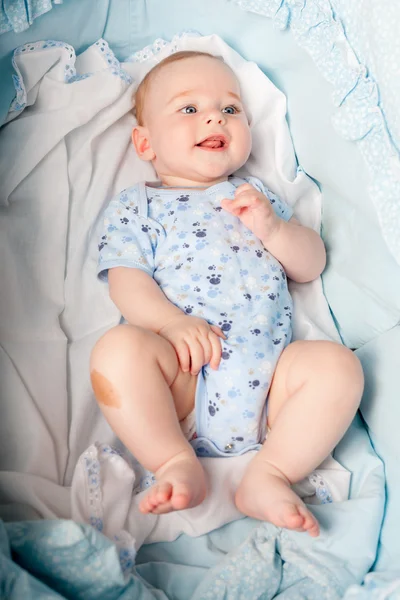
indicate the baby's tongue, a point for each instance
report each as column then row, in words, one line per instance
column 211, row 143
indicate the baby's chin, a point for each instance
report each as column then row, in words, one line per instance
column 213, row 170
column 199, row 172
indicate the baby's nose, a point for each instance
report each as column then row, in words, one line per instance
column 215, row 117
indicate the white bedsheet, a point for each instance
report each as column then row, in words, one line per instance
column 63, row 157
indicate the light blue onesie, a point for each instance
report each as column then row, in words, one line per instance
column 210, row 265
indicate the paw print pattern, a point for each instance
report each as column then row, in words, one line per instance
column 183, row 198
column 200, row 233
column 235, row 249
column 201, row 244
column 247, row 296
column 253, row 384
column 259, row 253
column 272, row 296
column 145, row 228
column 248, row 414
column 255, row 332
column 226, row 353
column 277, row 341
column 214, row 279
column 188, row 309
column 102, row 242
column 234, row 392
column 124, row 221
column 288, row 312
column 225, row 325
column 212, row 408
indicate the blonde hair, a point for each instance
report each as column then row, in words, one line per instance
column 140, row 93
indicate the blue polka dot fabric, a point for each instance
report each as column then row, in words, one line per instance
column 365, row 98
column 18, row 15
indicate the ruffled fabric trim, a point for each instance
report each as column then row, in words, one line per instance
column 358, row 118
column 67, row 61
column 18, row 15
column 152, row 50
column 92, row 462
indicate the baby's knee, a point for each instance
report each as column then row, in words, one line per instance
column 345, row 367
column 119, row 344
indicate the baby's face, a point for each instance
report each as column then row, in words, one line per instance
column 196, row 124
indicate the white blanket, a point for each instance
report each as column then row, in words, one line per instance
column 103, row 494
column 62, row 159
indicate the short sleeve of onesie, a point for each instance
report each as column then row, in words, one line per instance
column 128, row 239
column 283, row 210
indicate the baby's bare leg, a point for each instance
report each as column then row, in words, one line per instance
column 314, row 396
column 133, row 371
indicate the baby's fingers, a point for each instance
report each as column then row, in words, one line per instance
column 207, row 349
column 196, row 357
column 216, row 350
column 218, row 331
column 182, row 352
column 240, row 203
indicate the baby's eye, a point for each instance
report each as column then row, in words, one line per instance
column 230, row 110
column 189, row 110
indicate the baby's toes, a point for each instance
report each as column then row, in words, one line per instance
column 181, row 496
column 313, row 530
column 145, row 506
column 310, row 522
column 293, row 518
column 157, row 495
column 162, row 509
column 162, row 493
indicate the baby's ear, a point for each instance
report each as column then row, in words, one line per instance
column 141, row 141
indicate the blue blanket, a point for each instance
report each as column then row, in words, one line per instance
column 246, row 559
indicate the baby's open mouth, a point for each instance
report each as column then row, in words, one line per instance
column 213, row 142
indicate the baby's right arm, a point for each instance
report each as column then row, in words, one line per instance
column 143, row 303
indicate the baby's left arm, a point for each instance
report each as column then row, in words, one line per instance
column 299, row 249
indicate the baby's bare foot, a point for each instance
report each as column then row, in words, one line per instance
column 265, row 494
column 180, row 483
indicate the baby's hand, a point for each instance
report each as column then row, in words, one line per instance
column 196, row 342
column 254, row 210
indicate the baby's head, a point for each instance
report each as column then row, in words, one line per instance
column 191, row 121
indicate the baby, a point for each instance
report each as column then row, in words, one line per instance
column 197, row 265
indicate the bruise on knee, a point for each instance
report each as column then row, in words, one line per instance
column 104, row 391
